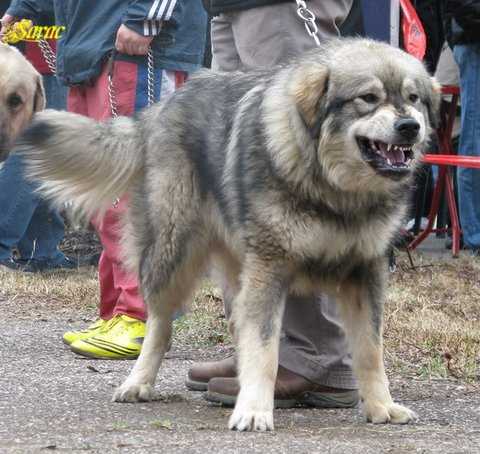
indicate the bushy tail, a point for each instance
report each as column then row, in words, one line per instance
column 79, row 160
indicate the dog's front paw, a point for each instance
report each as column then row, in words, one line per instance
column 379, row 413
column 246, row 420
column 143, row 392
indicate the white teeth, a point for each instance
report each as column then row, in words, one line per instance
column 389, row 162
column 372, row 145
column 389, row 147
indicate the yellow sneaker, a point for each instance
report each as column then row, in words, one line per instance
column 120, row 338
column 71, row 336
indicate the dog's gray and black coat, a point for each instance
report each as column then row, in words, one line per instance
column 292, row 180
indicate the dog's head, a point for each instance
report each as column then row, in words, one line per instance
column 369, row 109
column 21, row 94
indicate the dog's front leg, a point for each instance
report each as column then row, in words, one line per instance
column 257, row 317
column 138, row 387
column 361, row 307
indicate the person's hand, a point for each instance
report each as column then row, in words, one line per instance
column 5, row 21
column 132, row 43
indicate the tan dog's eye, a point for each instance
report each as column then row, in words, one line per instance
column 370, row 98
column 14, row 101
column 413, row 98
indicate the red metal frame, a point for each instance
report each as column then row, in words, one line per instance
column 446, row 157
column 448, row 160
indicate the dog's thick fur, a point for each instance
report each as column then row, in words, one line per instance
column 21, row 94
column 271, row 174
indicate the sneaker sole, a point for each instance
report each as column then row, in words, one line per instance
column 229, row 401
column 348, row 399
column 66, row 342
column 93, row 356
column 193, row 385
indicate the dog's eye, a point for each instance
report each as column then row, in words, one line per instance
column 370, row 98
column 14, row 101
column 413, row 98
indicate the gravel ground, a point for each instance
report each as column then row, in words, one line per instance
column 51, row 400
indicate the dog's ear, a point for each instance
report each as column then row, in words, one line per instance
column 309, row 88
column 433, row 101
column 39, row 98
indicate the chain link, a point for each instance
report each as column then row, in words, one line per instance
column 150, row 90
column 309, row 19
column 51, row 60
column 111, row 95
column 150, row 83
column 48, row 55
column 150, row 78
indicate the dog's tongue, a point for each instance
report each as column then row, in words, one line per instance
column 395, row 155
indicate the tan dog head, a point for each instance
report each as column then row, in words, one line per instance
column 21, row 94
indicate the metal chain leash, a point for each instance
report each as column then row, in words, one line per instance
column 111, row 89
column 51, row 60
column 48, row 55
column 150, row 78
column 309, row 19
column 150, row 83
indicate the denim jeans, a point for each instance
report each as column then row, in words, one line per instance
column 27, row 222
column 468, row 59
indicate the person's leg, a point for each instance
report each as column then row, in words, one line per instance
column 18, row 202
column 39, row 243
column 313, row 355
column 119, row 292
column 76, row 102
column 120, row 297
column 224, row 53
column 121, row 335
column 314, row 344
column 468, row 59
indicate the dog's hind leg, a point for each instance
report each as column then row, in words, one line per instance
column 168, row 276
column 257, row 316
column 361, row 307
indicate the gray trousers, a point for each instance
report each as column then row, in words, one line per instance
column 313, row 343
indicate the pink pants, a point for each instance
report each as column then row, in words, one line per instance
column 119, row 291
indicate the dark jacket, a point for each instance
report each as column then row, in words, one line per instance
column 29, row 48
column 4, row 4
column 215, row 7
column 91, row 27
column 462, row 21
column 352, row 26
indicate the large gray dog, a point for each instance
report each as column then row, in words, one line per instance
column 294, row 180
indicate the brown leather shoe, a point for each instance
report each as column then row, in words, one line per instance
column 201, row 373
column 291, row 390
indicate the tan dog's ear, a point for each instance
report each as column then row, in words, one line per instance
column 39, row 99
column 308, row 89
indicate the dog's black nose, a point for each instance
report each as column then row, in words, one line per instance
column 407, row 127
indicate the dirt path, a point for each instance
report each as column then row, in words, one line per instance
column 50, row 400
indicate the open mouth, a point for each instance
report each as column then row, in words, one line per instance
column 386, row 158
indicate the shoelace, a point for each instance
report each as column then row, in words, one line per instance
column 121, row 328
column 110, row 324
